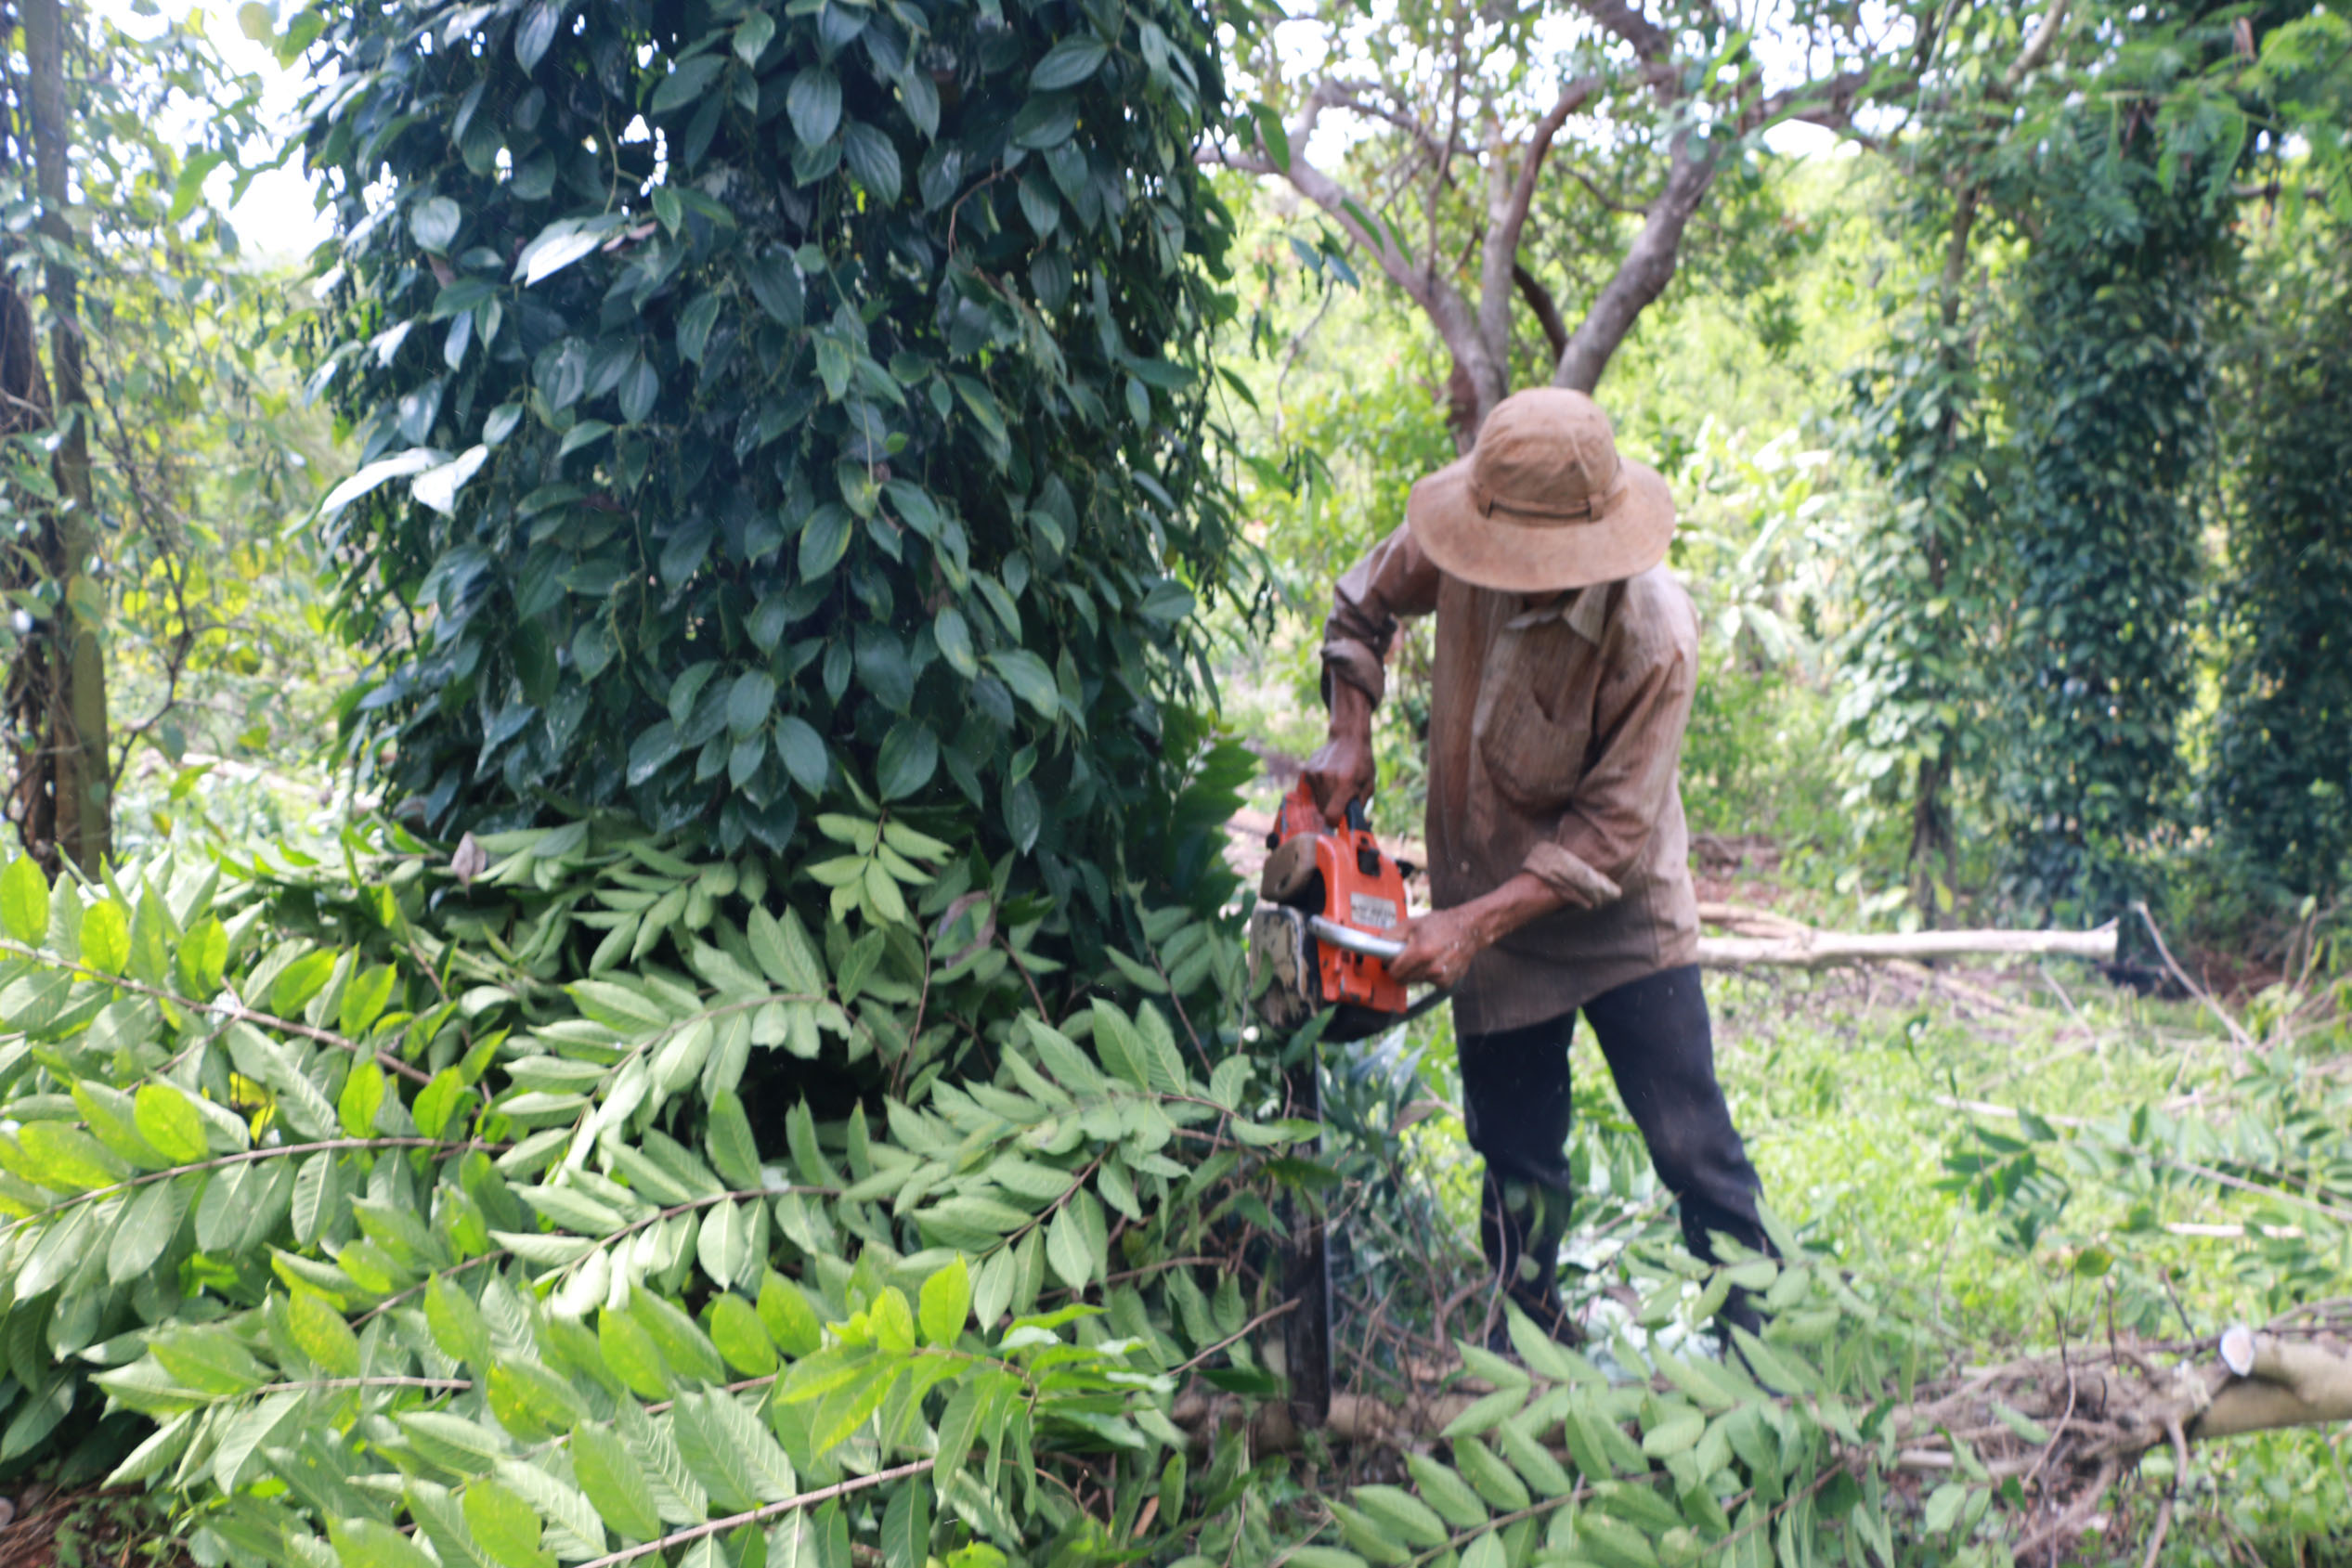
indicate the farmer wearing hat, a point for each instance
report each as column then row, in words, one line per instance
column 1558, row 857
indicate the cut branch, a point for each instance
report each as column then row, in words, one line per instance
column 1778, row 943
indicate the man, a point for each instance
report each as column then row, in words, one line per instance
column 1567, row 655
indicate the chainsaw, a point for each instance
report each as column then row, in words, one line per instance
column 1319, row 938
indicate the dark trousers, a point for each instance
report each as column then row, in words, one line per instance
column 1661, row 1051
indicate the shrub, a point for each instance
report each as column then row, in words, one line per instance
column 400, row 1223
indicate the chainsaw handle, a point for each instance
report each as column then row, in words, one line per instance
column 1356, row 821
column 1348, row 939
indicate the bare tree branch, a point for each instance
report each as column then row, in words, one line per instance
column 1443, row 302
column 1625, row 19
column 1640, row 276
column 1547, row 310
column 2038, row 47
column 1507, row 217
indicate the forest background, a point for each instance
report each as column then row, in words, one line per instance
column 2009, row 436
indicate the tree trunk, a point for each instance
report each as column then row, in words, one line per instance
column 80, row 781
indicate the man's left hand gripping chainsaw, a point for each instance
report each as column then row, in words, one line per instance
column 1322, row 935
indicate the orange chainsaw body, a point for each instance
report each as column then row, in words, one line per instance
column 1361, row 888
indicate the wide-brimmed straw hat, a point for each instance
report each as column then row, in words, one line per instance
column 1543, row 501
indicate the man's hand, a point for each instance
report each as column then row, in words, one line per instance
column 1439, row 946
column 1341, row 770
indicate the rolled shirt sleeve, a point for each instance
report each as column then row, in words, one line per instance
column 1628, row 787
column 1395, row 581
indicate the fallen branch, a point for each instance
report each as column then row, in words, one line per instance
column 1774, row 941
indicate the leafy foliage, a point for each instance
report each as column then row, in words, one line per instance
column 2103, row 526
column 2282, row 740
column 1929, row 587
column 789, row 407
column 200, row 597
column 372, row 1239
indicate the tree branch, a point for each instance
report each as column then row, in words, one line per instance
column 2038, row 47
column 1439, row 300
column 1507, row 219
column 1547, row 310
column 1625, row 19
column 1640, row 276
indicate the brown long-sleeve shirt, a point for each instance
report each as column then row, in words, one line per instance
column 1555, row 728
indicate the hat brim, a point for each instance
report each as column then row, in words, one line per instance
column 1497, row 551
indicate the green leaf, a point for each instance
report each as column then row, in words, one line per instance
column 791, row 1322
column 946, row 1301
column 1332, row 1557
column 908, row 757
column 630, row 1352
column 363, row 1097
column 906, row 1528
column 750, row 700
column 505, row 1527
column 1533, row 1460
column 1405, row 1516
column 1066, row 1249
column 682, row 1342
column 201, row 959
column 751, row 36
column 1446, row 1492
column 873, row 161
column 149, row 1221
column 61, row 1156
column 694, row 323
column 736, row 1328
column 209, row 1361
column 687, row 82
column 365, row 998
column 106, row 938
column 1271, row 132
column 615, row 1482
column 1489, row 1476
column 1030, row 681
column 1068, row 63
column 368, row 1543
column 814, row 103
column 322, row 1334
column 434, row 222
column 733, row 1150
column 170, row 1122
column 24, row 902
column 456, row 1324
column 730, row 1452
column 438, row 1102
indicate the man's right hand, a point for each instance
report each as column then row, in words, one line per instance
column 1341, row 770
